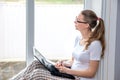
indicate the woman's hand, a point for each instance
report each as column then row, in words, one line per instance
column 60, row 66
column 66, row 63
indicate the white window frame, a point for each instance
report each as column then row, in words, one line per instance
column 29, row 30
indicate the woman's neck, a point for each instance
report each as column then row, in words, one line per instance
column 85, row 37
column 85, row 34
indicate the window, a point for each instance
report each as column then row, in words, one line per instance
column 13, row 37
column 54, row 26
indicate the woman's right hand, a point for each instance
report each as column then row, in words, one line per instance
column 59, row 64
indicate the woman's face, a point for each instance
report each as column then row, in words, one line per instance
column 80, row 24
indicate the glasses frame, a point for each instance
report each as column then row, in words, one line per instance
column 80, row 21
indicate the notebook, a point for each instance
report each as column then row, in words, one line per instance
column 49, row 65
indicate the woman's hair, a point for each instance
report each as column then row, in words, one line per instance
column 97, row 28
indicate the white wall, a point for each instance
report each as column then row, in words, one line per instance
column 117, row 49
column 95, row 5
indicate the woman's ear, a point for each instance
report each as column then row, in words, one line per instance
column 87, row 25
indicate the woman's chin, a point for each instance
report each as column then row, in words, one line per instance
column 76, row 28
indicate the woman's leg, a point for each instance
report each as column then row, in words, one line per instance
column 36, row 71
column 42, row 74
column 34, row 65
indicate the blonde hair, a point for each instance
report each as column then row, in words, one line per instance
column 97, row 28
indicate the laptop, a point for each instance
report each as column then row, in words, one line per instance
column 49, row 65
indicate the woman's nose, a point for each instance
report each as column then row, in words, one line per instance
column 75, row 21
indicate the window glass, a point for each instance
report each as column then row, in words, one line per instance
column 54, row 26
column 13, row 37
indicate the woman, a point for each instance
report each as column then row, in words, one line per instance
column 88, row 49
column 86, row 55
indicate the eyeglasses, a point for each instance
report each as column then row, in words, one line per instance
column 80, row 21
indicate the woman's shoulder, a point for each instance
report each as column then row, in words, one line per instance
column 95, row 43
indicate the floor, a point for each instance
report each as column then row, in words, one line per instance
column 9, row 69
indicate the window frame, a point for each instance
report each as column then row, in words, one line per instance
column 29, row 31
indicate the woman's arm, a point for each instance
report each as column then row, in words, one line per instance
column 90, row 72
